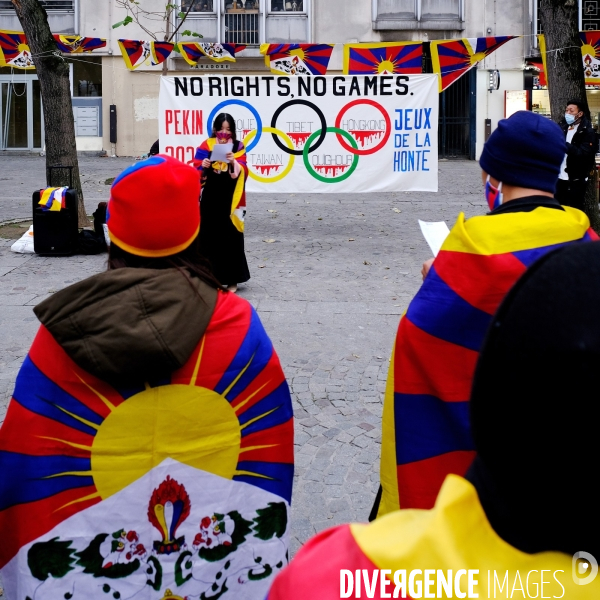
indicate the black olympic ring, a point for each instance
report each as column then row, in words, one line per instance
column 319, row 114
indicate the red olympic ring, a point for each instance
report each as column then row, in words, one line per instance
column 388, row 124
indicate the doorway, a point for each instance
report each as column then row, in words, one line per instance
column 21, row 122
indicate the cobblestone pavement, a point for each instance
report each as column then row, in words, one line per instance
column 331, row 275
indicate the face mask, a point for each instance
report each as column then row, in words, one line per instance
column 223, row 135
column 570, row 119
column 493, row 195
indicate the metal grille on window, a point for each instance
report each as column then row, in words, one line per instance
column 57, row 5
column 198, row 6
column 242, row 22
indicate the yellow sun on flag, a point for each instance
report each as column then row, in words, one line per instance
column 588, row 49
column 158, row 418
column 297, row 52
column 385, row 66
column 477, row 57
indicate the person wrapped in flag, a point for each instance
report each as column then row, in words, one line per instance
column 426, row 433
column 515, row 521
column 223, row 204
column 147, row 451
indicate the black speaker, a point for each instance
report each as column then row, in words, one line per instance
column 113, row 123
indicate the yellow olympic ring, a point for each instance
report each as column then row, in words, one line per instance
column 289, row 144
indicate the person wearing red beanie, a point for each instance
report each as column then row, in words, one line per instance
column 150, row 434
column 223, row 204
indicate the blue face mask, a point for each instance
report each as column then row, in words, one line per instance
column 493, row 195
column 570, row 119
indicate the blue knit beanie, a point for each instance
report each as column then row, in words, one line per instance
column 526, row 150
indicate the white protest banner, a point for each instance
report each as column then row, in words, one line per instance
column 313, row 134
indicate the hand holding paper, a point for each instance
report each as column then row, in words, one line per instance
column 220, row 151
column 434, row 232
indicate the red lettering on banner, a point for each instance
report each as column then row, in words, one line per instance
column 179, row 152
column 190, row 120
column 197, row 122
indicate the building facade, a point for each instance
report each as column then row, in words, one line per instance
column 101, row 79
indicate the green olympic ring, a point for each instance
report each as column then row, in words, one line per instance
column 309, row 167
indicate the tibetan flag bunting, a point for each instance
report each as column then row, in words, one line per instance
column 426, row 433
column 297, row 59
column 137, row 53
column 193, row 51
column 383, row 59
column 590, row 51
column 453, row 58
column 14, row 51
column 75, row 44
column 130, row 489
column 53, row 198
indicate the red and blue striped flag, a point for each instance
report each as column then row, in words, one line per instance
column 383, row 58
column 426, row 433
column 297, row 59
column 193, row 51
column 14, row 50
column 72, row 44
column 453, row 58
column 138, row 52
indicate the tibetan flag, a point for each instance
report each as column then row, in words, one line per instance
column 426, row 433
column 53, row 198
column 297, row 59
column 453, row 58
column 75, row 44
column 455, row 535
column 590, row 52
column 132, row 488
column 193, row 51
column 137, row 53
column 14, row 50
column 383, row 59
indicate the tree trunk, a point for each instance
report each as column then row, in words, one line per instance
column 53, row 74
column 560, row 24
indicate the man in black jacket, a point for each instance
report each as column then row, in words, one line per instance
column 579, row 160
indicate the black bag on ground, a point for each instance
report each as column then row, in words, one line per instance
column 89, row 242
column 55, row 233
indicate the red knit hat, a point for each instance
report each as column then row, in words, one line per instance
column 153, row 208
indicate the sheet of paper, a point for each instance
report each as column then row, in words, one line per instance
column 219, row 151
column 434, row 232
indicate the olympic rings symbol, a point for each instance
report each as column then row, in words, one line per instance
column 314, row 141
column 320, row 114
column 290, row 164
column 316, row 175
column 217, row 109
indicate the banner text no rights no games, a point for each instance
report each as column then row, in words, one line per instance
column 298, row 86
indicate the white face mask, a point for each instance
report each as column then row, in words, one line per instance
column 569, row 118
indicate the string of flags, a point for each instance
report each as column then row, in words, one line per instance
column 451, row 59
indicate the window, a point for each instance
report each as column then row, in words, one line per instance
column 419, row 10
column 590, row 15
column 87, row 76
column 284, row 6
column 49, row 5
column 199, row 6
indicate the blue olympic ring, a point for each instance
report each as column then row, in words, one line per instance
column 218, row 108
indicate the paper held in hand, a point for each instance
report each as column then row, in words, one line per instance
column 434, row 232
column 220, row 151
